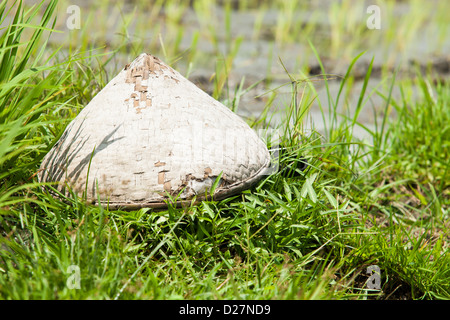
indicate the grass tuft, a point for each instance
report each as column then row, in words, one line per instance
column 335, row 207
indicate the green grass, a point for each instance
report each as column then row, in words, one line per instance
column 297, row 235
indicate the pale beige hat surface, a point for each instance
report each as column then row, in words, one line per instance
column 151, row 133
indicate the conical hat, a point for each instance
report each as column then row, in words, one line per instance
column 151, row 133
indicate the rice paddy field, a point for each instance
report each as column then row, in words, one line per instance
column 359, row 91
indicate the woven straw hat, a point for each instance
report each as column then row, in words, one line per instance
column 151, row 133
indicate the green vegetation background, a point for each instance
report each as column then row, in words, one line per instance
column 297, row 235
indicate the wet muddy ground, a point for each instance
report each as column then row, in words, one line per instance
column 255, row 56
column 258, row 57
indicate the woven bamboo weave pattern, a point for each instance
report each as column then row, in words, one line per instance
column 150, row 133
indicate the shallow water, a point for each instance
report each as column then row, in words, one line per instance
column 258, row 59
